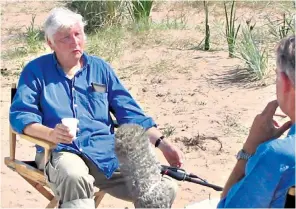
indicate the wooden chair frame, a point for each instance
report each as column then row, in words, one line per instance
column 29, row 172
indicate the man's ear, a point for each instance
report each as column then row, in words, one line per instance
column 286, row 82
column 50, row 44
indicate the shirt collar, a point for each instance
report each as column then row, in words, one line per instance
column 59, row 67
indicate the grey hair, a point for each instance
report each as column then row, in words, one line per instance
column 286, row 57
column 61, row 18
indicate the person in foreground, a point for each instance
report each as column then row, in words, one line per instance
column 69, row 83
column 265, row 169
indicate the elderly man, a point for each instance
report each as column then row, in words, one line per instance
column 265, row 169
column 70, row 83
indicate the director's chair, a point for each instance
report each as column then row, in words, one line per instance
column 28, row 169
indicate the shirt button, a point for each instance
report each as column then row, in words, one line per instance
column 80, row 149
column 75, row 105
column 73, row 89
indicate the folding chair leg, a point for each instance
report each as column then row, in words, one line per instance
column 40, row 188
column 53, row 203
column 98, row 197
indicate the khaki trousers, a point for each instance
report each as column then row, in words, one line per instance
column 72, row 179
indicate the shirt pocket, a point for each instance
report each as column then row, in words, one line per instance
column 99, row 106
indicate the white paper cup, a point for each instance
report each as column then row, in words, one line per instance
column 71, row 123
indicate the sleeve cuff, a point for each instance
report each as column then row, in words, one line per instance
column 22, row 120
column 221, row 203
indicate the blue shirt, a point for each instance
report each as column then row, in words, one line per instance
column 269, row 173
column 45, row 95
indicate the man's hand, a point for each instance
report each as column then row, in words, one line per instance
column 173, row 155
column 263, row 128
column 61, row 134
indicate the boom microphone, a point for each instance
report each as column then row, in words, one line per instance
column 141, row 170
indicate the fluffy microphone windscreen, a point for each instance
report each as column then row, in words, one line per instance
column 141, row 170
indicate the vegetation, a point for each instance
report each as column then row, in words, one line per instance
column 99, row 14
column 140, row 10
column 231, row 29
column 282, row 27
column 114, row 26
column 207, row 38
column 255, row 57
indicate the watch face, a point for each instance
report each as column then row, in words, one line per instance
column 242, row 155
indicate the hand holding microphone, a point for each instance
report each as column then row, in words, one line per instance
column 173, row 155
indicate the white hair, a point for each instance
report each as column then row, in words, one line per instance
column 286, row 57
column 61, row 18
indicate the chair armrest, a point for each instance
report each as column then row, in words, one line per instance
column 41, row 142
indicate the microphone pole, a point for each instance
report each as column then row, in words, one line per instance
column 215, row 187
column 180, row 175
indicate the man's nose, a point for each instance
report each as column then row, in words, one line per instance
column 74, row 40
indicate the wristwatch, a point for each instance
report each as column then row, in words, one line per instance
column 243, row 155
